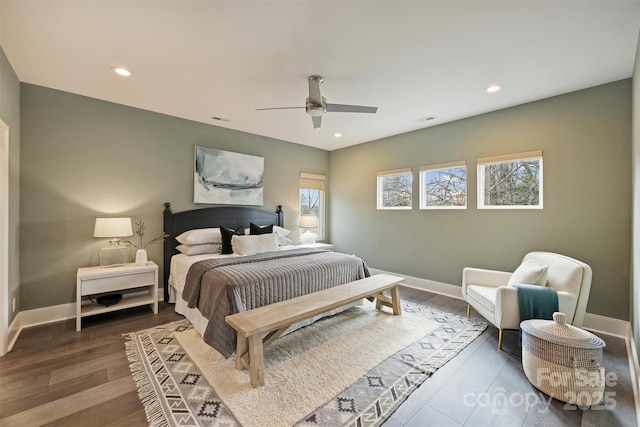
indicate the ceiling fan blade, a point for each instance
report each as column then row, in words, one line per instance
column 314, row 89
column 317, row 121
column 342, row 108
column 278, row 108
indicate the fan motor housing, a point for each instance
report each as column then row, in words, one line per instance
column 316, row 109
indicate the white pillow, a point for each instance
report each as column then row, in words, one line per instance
column 200, row 236
column 283, row 241
column 281, row 232
column 529, row 273
column 207, row 248
column 249, row 245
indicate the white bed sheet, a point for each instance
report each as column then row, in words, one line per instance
column 180, row 265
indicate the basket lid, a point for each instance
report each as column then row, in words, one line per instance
column 558, row 331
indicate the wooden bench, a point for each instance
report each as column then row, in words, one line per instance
column 272, row 320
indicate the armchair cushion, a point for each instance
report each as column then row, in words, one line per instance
column 484, row 295
column 529, row 273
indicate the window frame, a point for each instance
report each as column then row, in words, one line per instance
column 439, row 167
column 380, row 190
column 313, row 181
column 509, row 158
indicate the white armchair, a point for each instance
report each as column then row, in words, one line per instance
column 487, row 291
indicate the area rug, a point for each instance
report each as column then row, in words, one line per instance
column 352, row 369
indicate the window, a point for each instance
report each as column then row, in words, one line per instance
column 512, row 181
column 394, row 189
column 443, row 186
column 312, row 200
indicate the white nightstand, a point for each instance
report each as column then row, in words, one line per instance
column 104, row 280
column 325, row 246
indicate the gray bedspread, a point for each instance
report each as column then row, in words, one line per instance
column 223, row 286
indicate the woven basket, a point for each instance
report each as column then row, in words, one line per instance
column 563, row 361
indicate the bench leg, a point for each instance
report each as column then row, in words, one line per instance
column 256, row 360
column 379, row 298
column 395, row 300
column 241, row 349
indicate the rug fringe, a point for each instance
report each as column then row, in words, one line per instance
column 149, row 398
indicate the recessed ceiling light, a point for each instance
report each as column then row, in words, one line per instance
column 492, row 88
column 121, row 71
column 337, row 134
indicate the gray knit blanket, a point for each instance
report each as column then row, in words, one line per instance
column 220, row 287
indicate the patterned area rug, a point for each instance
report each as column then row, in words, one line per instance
column 183, row 382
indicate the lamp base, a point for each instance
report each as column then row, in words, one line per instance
column 111, row 256
column 307, row 238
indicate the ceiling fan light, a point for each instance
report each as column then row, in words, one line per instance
column 315, row 110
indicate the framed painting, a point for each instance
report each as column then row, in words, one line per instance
column 227, row 178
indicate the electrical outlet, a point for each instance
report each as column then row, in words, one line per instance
column 14, row 304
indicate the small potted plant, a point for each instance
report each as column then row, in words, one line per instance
column 141, row 253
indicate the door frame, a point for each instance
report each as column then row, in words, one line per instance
column 4, row 237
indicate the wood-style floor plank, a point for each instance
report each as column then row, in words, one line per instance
column 56, row 376
column 123, row 410
column 72, row 404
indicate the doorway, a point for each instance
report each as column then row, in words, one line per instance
column 4, row 237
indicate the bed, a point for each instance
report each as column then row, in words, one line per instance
column 207, row 287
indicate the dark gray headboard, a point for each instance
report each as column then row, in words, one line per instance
column 227, row 216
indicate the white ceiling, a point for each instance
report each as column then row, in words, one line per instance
column 411, row 59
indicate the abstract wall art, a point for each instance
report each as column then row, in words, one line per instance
column 228, row 178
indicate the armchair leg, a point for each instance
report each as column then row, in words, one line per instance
column 500, row 339
column 468, row 311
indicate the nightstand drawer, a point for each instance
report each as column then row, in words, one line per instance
column 96, row 285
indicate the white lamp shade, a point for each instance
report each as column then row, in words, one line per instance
column 113, row 227
column 308, row 221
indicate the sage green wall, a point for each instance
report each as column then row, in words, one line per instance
column 10, row 115
column 82, row 158
column 586, row 141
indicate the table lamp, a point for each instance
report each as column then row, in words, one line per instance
column 113, row 228
column 308, row 221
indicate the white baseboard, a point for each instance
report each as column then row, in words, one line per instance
column 45, row 315
column 592, row 322
column 632, row 356
column 606, row 325
column 14, row 331
column 441, row 288
column 42, row 316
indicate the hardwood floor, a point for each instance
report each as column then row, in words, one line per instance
column 483, row 386
column 59, row 377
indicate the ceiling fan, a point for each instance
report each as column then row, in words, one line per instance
column 316, row 105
